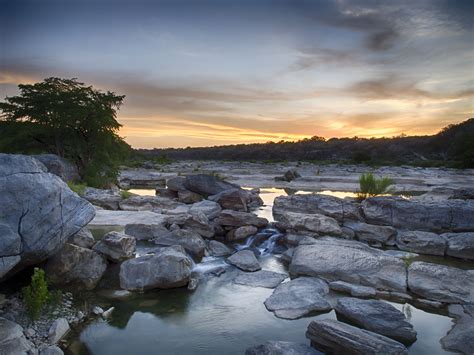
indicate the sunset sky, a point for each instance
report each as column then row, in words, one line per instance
column 201, row 73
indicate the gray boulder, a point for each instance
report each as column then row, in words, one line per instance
column 262, row 278
column 197, row 222
column 232, row 199
column 189, row 197
column 38, row 213
column 297, row 298
column 51, row 350
column 83, row 238
column 238, row 219
column 58, row 330
column 108, row 199
column 241, row 233
column 354, row 262
column 281, row 348
column 441, row 283
column 145, row 231
column 176, row 184
column 421, row 242
column 210, row 209
column 74, row 265
column 430, row 216
column 168, row 268
column 378, row 317
column 317, row 223
column 140, row 178
column 148, row 203
column 371, row 233
column 461, row 337
column 12, row 339
column 59, row 166
column 244, row 260
column 334, row 337
column 353, row 290
column 116, row 246
column 191, row 241
column 460, row 245
column 218, row 249
column 207, row 185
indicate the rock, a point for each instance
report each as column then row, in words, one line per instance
column 334, row 207
column 210, row 209
column 207, row 185
column 12, row 340
column 430, row 216
column 238, row 219
column 108, row 313
column 169, row 268
column 461, row 337
column 116, row 246
column 74, row 265
column 147, row 203
column 218, row 249
column 197, row 222
column 334, row 337
column 233, row 199
column 140, row 178
column 38, row 213
column 59, row 166
column 441, row 283
column 188, row 197
column 288, row 255
column 58, row 330
column 241, row 233
column 193, row 284
column 108, row 199
column 145, row 231
column 166, row 193
column 354, row 262
column 122, row 218
column 353, row 290
column 299, row 297
column 400, row 254
column 378, row 317
column 244, row 260
column 310, row 222
column 463, row 194
column 291, row 174
column 51, row 350
column 191, row 241
column 294, row 239
column 83, row 238
column 281, row 348
column 262, row 278
column 370, row 233
column 460, row 245
column 176, row 184
column 421, row 242
column 98, row 311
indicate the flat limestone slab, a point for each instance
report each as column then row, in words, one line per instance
column 122, row 218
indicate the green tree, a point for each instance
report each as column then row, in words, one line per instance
column 36, row 295
column 372, row 186
column 67, row 118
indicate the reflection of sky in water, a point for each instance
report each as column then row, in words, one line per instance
column 143, row 192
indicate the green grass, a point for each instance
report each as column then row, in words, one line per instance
column 78, row 188
column 372, row 186
column 125, row 194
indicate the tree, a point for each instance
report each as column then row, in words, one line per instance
column 67, row 118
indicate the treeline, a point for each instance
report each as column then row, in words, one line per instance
column 452, row 147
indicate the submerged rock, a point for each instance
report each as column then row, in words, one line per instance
column 262, row 278
column 377, row 316
column 354, row 262
column 441, row 283
column 116, row 246
column 281, row 348
column 299, row 297
column 334, row 337
column 244, row 260
column 168, row 268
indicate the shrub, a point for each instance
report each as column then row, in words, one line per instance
column 125, row 194
column 78, row 188
column 36, row 295
column 372, row 186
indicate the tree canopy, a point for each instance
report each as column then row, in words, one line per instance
column 67, row 118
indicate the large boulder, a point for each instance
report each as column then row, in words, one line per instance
column 421, row 242
column 441, row 283
column 197, row 222
column 38, row 213
column 238, row 219
column 354, row 262
column 262, row 278
column 241, row 233
column 176, row 184
column 334, row 337
column 460, row 338
column 168, row 268
column 83, row 238
column 378, row 317
column 207, row 185
column 244, row 260
column 218, row 249
column 370, row 233
column 331, row 206
column 430, row 216
column 281, row 348
column 460, row 245
column 317, row 223
column 233, row 199
column 189, row 197
column 74, row 265
column 116, row 246
column 297, row 298
column 210, row 208
column 191, row 241
column 142, row 231
column 12, row 339
column 59, row 166
column 105, row 198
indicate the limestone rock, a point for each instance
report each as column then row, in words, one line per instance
column 116, row 246
column 262, row 278
column 244, row 260
column 421, row 242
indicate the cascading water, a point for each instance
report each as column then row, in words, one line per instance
column 268, row 246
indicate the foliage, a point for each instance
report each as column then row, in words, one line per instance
column 125, row 194
column 78, row 188
column 372, row 186
column 67, row 118
column 36, row 295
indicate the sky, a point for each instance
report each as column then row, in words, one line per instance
column 213, row 72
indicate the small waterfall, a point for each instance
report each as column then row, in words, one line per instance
column 268, row 246
column 208, row 264
column 248, row 243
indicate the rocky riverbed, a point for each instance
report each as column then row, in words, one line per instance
column 192, row 262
